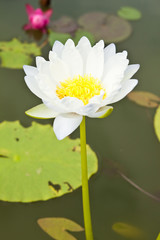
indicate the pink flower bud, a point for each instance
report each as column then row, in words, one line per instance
column 37, row 18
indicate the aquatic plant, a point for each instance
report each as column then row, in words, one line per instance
column 77, row 82
column 129, row 13
column 37, row 18
column 14, row 54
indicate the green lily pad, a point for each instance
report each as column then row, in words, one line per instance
column 35, row 166
column 128, row 231
column 12, row 60
column 15, row 54
column 57, row 228
column 80, row 33
column 145, row 99
column 104, row 26
column 129, row 13
column 157, row 122
column 62, row 37
column 64, row 24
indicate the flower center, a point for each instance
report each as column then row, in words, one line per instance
column 83, row 88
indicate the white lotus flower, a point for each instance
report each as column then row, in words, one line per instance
column 79, row 81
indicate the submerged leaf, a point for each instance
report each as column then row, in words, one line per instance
column 34, row 165
column 56, row 227
column 15, row 54
column 129, row 13
column 127, row 230
column 104, row 26
column 64, row 24
column 145, row 99
column 54, row 36
column 157, row 122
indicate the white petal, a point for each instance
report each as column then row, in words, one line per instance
column 59, row 71
column 89, row 108
column 97, row 98
column 57, row 48
column 39, row 62
column 52, row 56
column 55, row 105
column 109, row 51
column 72, row 104
column 34, row 87
column 41, row 111
column 30, row 71
column 114, row 70
column 83, row 42
column 65, row 124
column 84, row 47
column 51, row 74
column 65, row 105
column 102, row 112
column 72, row 58
column 123, row 54
column 130, row 71
column 126, row 88
column 44, row 67
column 91, row 64
column 99, row 51
column 95, row 61
column 46, row 85
column 111, row 94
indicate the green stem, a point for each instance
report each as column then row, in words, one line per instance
column 85, row 191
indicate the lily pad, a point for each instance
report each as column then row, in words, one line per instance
column 80, row 33
column 157, row 123
column 145, row 99
column 158, row 238
column 35, row 166
column 129, row 13
column 62, row 37
column 57, row 228
column 64, row 24
column 15, row 54
column 14, row 60
column 104, row 26
column 128, row 231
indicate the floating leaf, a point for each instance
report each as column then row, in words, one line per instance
column 56, row 228
column 34, row 165
column 127, row 230
column 145, row 99
column 157, row 123
column 158, row 238
column 104, row 26
column 14, row 60
column 129, row 13
column 64, row 24
column 80, row 33
column 62, row 37
column 15, row 54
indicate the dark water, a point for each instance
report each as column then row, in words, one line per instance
column 126, row 138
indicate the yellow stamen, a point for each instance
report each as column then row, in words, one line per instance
column 83, row 88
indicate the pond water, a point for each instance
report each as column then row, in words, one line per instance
column 125, row 139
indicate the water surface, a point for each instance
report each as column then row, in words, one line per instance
column 126, row 138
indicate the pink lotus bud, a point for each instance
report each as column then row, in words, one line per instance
column 37, row 18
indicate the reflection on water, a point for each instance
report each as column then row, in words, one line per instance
column 126, row 138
